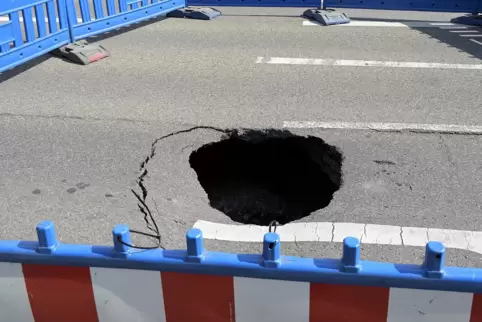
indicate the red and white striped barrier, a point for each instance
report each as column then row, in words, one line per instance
column 44, row 293
column 46, row 281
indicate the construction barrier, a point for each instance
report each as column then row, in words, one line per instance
column 122, row 13
column 49, row 24
column 24, row 37
column 46, row 280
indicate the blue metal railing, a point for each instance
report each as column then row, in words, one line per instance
column 430, row 275
column 33, row 28
column 89, row 18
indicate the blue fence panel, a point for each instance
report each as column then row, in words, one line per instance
column 415, row 5
column 92, row 17
column 30, row 28
column 478, row 8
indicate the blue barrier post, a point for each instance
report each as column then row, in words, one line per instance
column 195, row 247
column 47, row 239
column 350, row 260
column 434, row 259
column 478, row 9
column 271, row 250
column 121, row 236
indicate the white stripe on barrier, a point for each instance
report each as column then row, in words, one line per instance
column 120, row 295
column 388, row 127
column 14, row 302
column 117, row 291
column 428, row 306
column 361, row 63
column 256, row 298
column 336, row 232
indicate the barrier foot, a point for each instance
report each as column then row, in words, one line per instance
column 327, row 16
column 473, row 20
column 198, row 13
column 81, row 52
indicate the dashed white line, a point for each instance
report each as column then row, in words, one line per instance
column 361, row 63
column 472, row 35
column 453, row 27
column 388, row 127
column 475, row 41
column 443, row 23
column 464, row 31
column 336, row 232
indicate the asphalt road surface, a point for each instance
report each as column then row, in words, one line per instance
column 72, row 137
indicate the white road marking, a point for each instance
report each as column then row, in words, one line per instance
column 336, row 232
column 477, row 42
column 465, row 31
column 361, row 63
column 472, row 35
column 388, row 127
column 443, row 23
column 399, row 24
column 454, row 27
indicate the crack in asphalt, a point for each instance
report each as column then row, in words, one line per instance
column 467, row 240
column 316, row 232
column 364, row 233
column 142, row 199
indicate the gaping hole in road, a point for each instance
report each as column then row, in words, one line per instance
column 257, row 176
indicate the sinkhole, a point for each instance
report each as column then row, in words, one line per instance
column 257, row 176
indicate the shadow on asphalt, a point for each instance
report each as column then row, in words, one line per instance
column 455, row 40
column 117, row 32
column 23, row 68
column 9, row 74
column 463, row 44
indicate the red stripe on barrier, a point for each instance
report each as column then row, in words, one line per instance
column 200, row 298
column 340, row 303
column 476, row 314
column 60, row 293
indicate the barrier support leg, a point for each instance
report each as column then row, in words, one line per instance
column 326, row 16
column 197, row 13
column 81, row 52
column 472, row 20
